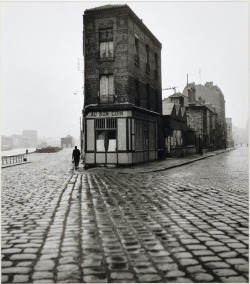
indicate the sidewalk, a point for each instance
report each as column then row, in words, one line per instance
column 156, row 166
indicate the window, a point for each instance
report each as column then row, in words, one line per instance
column 156, row 66
column 137, row 58
column 106, row 43
column 147, row 60
column 106, row 134
column 147, row 54
column 148, row 96
column 136, row 45
column 106, row 89
column 137, row 93
column 156, row 101
column 156, row 61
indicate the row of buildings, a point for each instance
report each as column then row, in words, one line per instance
column 27, row 139
column 125, row 121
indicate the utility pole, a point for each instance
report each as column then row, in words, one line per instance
column 200, row 75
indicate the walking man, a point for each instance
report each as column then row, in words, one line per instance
column 76, row 156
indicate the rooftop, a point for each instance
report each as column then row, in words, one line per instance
column 108, row 6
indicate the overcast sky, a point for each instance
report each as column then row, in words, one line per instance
column 41, row 43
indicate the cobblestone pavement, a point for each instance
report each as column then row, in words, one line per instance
column 188, row 224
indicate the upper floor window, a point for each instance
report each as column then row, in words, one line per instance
column 137, row 89
column 147, row 54
column 148, row 96
column 136, row 45
column 106, row 43
column 156, row 66
column 106, row 89
column 156, row 61
column 137, row 58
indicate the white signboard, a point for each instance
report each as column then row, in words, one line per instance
column 113, row 113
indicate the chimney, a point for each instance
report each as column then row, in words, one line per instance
column 191, row 95
column 200, row 99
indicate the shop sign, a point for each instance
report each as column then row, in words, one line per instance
column 97, row 114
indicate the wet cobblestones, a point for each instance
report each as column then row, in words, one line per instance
column 181, row 225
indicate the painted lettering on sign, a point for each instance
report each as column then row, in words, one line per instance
column 117, row 113
column 106, row 113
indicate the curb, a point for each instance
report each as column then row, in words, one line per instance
column 179, row 165
column 12, row 165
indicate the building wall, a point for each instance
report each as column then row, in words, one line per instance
column 125, row 25
column 145, row 73
column 195, row 120
column 211, row 93
column 134, row 106
column 230, row 139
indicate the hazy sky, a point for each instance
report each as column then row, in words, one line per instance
column 41, row 43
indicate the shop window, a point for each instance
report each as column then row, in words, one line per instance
column 139, row 135
column 107, row 89
column 152, row 136
column 106, row 43
column 106, row 134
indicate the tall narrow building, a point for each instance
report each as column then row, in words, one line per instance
column 122, row 85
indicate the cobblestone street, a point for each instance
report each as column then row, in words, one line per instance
column 186, row 224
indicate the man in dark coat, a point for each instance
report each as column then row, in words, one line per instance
column 76, row 156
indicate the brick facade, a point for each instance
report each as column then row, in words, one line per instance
column 122, row 85
column 123, row 65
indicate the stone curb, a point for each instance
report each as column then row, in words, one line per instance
column 12, row 165
column 179, row 165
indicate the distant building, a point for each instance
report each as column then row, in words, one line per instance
column 211, row 94
column 201, row 118
column 123, row 99
column 30, row 138
column 240, row 135
column 67, row 142
column 6, row 143
column 230, row 140
column 18, row 141
column 179, row 138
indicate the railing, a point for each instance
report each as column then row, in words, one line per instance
column 7, row 160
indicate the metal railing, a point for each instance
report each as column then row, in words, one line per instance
column 7, row 160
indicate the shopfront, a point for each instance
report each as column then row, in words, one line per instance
column 120, row 137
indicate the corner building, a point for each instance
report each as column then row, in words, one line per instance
column 122, row 83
